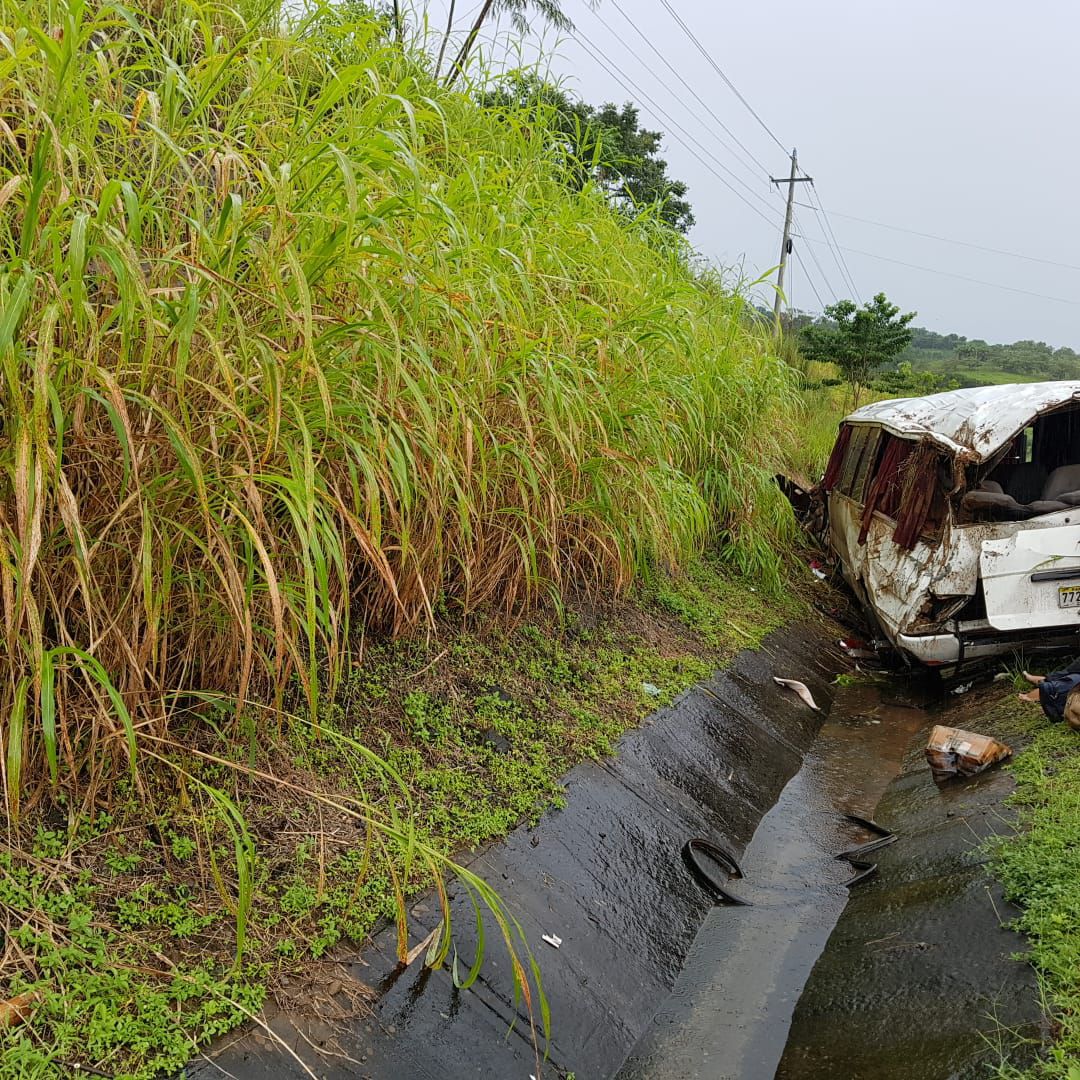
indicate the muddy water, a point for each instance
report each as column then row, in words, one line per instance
column 731, row 1008
column 920, row 979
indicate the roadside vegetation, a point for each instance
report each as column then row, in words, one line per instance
column 1040, row 869
column 303, row 354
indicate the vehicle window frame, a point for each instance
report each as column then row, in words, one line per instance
column 862, row 451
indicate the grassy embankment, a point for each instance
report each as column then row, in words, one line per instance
column 1040, row 870
column 300, row 354
column 822, row 405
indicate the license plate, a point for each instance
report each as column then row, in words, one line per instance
column 1069, row 596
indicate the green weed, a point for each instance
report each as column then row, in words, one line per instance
column 350, row 353
column 1040, row 869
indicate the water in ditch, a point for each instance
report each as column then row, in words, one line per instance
column 732, row 1010
column 909, row 976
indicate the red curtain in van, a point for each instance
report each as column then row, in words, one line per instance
column 886, row 486
column 922, row 490
column 836, row 459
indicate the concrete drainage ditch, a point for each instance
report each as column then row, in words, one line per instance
column 652, row 979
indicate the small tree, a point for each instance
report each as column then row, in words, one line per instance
column 858, row 340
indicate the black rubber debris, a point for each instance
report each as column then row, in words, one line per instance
column 863, row 870
column 690, row 852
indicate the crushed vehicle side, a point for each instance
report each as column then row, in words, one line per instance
column 962, row 539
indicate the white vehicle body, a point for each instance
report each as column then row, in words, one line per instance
column 956, row 517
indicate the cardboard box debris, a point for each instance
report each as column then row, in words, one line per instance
column 954, row 752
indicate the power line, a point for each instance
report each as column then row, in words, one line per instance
column 665, row 86
column 667, row 63
column 813, row 287
column 716, row 67
column 845, row 273
column 632, row 88
column 837, row 251
column 814, row 258
column 950, row 240
column 664, row 115
column 959, row 277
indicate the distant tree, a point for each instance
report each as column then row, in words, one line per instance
column 607, row 146
column 904, row 379
column 858, row 340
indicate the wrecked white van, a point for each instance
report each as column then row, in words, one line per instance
column 956, row 518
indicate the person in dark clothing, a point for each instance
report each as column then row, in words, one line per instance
column 1058, row 693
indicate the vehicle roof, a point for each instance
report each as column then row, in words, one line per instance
column 977, row 421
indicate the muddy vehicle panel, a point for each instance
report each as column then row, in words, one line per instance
column 956, row 517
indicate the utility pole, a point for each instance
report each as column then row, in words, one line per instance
column 791, row 181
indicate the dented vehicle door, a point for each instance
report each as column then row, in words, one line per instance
column 1032, row 578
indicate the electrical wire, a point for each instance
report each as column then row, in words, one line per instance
column 959, row 277
column 667, row 63
column 837, row 251
column 632, row 88
column 813, row 288
column 716, row 67
column 827, row 229
column 661, row 114
column 813, row 255
column 950, row 240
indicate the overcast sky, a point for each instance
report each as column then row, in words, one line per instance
column 954, row 118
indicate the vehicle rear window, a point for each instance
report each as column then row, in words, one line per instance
column 861, row 453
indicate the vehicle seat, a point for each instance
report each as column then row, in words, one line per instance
column 994, row 506
column 1024, row 481
column 1047, row 506
column 1063, row 479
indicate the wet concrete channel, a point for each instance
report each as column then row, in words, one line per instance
column 652, row 980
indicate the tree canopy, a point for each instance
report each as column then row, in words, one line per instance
column 607, row 145
column 858, row 339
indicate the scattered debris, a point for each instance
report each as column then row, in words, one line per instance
column 857, row 649
column 816, row 570
column 867, row 823
column 17, row 1010
column 863, row 870
column 720, row 856
column 651, row 689
column 799, row 688
column 552, row 940
column 963, row 688
column 953, row 752
column 865, row 849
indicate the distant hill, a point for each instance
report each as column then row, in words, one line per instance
column 973, row 362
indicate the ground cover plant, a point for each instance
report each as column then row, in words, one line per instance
column 124, row 926
column 300, row 351
column 1040, row 870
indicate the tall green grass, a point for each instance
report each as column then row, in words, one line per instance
column 293, row 342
